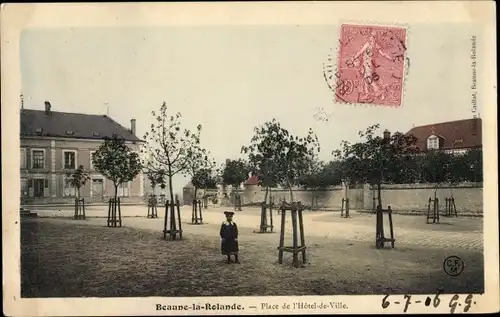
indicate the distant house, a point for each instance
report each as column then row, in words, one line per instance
column 55, row 143
column 452, row 136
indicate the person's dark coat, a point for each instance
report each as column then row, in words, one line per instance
column 229, row 234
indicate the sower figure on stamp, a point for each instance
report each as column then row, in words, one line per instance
column 368, row 53
column 229, row 236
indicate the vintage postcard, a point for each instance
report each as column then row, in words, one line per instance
column 249, row 158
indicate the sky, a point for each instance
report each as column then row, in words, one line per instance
column 233, row 78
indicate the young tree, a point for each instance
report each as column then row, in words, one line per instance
column 77, row 179
column 320, row 176
column 234, row 173
column 156, row 178
column 289, row 154
column 376, row 160
column 204, row 179
column 474, row 162
column 199, row 167
column 436, row 168
column 115, row 160
column 167, row 146
column 264, row 169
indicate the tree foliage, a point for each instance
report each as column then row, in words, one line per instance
column 377, row 160
column 397, row 160
column 78, row 178
column 200, row 168
column 167, row 147
column 156, row 178
column 235, row 172
column 278, row 157
column 439, row 167
column 115, row 160
column 204, row 179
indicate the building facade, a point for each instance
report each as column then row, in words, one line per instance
column 54, row 144
column 452, row 136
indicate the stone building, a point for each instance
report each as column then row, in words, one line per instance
column 55, row 143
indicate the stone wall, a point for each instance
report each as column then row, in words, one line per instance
column 403, row 197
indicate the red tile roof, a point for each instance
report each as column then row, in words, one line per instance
column 252, row 180
column 461, row 134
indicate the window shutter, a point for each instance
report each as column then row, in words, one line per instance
column 46, row 188
column 30, row 187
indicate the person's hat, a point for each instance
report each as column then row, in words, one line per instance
column 228, row 213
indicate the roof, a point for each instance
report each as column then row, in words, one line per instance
column 460, row 134
column 252, row 180
column 72, row 125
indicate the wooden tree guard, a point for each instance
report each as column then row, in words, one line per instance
column 345, row 204
column 197, row 215
column 264, row 225
column 152, row 207
column 237, row 203
column 79, row 209
column 380, row 239
column 114, row 213
column 433, row 210
column 450, row 209
column 172, row 222
column 296, row 209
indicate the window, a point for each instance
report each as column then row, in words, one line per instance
column 69, row 159
column 24, row 187
column 124, row 189
column 69, row 191
column 40, row 187
column 23, row 158
column 433, row 143
column 91, row 164
column 38, row 159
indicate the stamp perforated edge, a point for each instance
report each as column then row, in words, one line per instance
column 406, row 66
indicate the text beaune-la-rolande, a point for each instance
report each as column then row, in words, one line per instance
column 206, row 306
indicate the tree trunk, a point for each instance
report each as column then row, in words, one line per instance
column 116, row 191
column 170, row 189
column 154, row 186
column 291, row 191
column 265, row 197
column 312, row 199
column 195, row 193
column 78, row 193
column 379, row 192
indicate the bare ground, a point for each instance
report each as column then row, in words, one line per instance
column 69, row 259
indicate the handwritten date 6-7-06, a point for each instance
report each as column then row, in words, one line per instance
column 436, row 301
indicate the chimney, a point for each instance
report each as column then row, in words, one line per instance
column 47, row 107
column 132, row 126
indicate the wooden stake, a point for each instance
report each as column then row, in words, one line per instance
column 282, row 237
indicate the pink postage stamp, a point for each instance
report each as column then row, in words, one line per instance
column 371, row 65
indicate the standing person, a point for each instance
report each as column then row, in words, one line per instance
column 229, row 236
